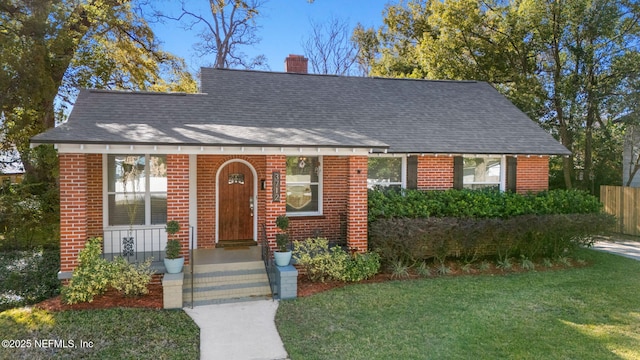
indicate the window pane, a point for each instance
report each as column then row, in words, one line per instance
column 124, row 209
column 126, row 173
column 302, row 183
column 384, row 171
column 303, row 169
column 481, row 170
column 302, row 198
column 158, row 209
column 158, row 174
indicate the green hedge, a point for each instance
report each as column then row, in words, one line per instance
column 392, row 203
column 531, row 236
column 28, row 277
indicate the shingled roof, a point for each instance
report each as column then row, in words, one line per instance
column 253, row 108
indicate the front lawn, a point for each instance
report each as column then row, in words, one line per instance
column 98, row 334
column 582, row 313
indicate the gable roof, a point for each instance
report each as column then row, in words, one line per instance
column 253, row 108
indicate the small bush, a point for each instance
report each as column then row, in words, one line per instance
column 399, row 270
column 130, row 279
column 443, row 269
column 360, row 267
column 94, row 275
column 28, row 277
column 322, row 263
column 527, row 264
column 91, row 277
column 315, row 257
column 423, row 270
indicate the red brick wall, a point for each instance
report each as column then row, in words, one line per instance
column 273, row 209
column 357, row 203
column 435, row 172
column 178, row 198
column 73, row 208
column 95, row 197
column 532, row 173
column 332, row 223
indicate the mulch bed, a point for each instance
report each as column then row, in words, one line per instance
column 110, row 299
column 308, row 288
column 153, row 300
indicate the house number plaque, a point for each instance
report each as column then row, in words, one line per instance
column 275, row 189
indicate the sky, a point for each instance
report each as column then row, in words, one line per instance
column 284, row 24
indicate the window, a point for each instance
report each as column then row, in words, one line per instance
column 482, row 173
column 137, row 189
column 304, row 195
column 385, row 172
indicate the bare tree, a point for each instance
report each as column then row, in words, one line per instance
column 329, row 48
column 230, row 25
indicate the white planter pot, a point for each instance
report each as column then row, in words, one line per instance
column 174, row 266
column 282, row 258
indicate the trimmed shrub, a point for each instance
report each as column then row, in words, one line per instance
column 130, row 279
column 394, row 203
column 28, row 277
column 532, row 236
column 315, row 257
column 95, row 275
column 360, row 266
column 92, row 276
column 322, row 262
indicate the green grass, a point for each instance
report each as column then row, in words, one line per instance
column 115, row 334
column 578, row 313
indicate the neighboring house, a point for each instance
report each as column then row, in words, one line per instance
column 254, row 145
column 11, row 169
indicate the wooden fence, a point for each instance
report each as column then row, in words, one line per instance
column 624, row 203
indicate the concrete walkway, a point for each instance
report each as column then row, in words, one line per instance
column 243, row 331
column 630, row 249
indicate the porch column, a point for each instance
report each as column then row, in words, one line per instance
column 357, row 203
column 73, row 210
column 178, row 198
column 274, row 207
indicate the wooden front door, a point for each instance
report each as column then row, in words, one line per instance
column 235, row 204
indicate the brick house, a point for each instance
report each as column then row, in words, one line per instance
column 253, row 145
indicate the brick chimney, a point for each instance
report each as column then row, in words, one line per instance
column 296, row 64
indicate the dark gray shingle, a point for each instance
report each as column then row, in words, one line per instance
column 263, row 108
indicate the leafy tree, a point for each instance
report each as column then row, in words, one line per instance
column 50, row 48
column 561, row 62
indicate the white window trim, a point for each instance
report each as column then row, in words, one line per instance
column 403, row 170
column 147, row 195
column 320, row 193
column 503, row 171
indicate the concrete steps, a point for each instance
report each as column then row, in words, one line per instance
column 226, row 282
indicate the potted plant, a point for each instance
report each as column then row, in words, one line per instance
column 173, row 262
column 282, row 255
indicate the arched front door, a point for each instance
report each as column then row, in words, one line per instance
column 235, row 202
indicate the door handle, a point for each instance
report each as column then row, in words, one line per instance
column 251, row 205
